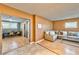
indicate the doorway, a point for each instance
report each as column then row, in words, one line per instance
column 26, row 29
column 15, row 32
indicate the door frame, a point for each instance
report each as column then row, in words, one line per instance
column 21, row 18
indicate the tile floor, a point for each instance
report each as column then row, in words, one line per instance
column 61, row 47
column 31, row 49
column 21, row 46
column 12, row 43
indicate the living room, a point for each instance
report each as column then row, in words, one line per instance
column 58, row 28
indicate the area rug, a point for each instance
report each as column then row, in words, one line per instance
column 59, row 47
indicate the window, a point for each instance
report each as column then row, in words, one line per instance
column 71, row 25
column 8, row 25
column 39, row 26
column 5, row 25
column 13, row 25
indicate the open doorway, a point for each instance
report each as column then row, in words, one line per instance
column 15, row 32
column 25, row 26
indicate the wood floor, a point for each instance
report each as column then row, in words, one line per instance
column 21, row 46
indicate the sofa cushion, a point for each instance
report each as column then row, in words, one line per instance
column 72, row 33
column 78, row 34
column 52, row 33
column 47, row 32
column 74, row 37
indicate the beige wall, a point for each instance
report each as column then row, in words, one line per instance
column 46, row 25
column 59, row 25
column 15, row 12
column 34, row 20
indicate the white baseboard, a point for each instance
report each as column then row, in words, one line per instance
column 39, row 41
column 32, row 42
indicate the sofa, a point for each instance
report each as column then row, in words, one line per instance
column 52, row 35
column 72, row 36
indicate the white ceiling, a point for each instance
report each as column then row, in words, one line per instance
column 51, row 11
column 12, row 19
